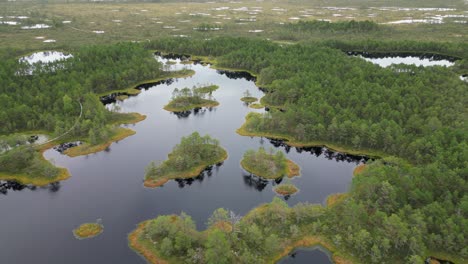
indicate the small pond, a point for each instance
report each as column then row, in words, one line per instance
column 385, row 60
column 315, row 255
column 45, row 57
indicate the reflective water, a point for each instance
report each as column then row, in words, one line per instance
column 385, row 60
column 315, row 255
column 37, row 223
column 45, row 57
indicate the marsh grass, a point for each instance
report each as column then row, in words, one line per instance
column 135, row 25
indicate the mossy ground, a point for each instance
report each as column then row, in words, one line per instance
column 286, row 189
column 173, row 107
column 88, row 230
column 292, row 170
column 249, row 99
column 86, row 149
column 256, row 106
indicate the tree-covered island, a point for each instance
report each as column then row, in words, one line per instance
column 188, row 159
column 272, row 165
column 187, row 99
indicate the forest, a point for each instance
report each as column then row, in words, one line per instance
column 49, row 99
column 407, row 202
column 258, row 237
column 406, row 206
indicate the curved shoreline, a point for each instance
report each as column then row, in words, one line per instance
column 194, row 172
column 87, row 233
column 132, row 90
column 311, row 241
column 292, row 170
column 288, row 140
column 86, row 149
column 278, row 189
column 139, row 248
column 207, row 103
column 24, row 179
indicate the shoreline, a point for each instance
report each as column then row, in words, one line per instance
column 194, row 172
column 288, row 140
column 292, row 170
column 86, row 149
column 207, row 103
column 132, row 90
column 139, row 248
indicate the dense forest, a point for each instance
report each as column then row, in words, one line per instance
column 399, row 208
column 49, row 99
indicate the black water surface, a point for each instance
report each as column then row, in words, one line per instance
column 314, row 255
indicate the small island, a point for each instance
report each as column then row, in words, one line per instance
column 256, row 106
column 187, row 99
column 272, row 165
column 206, row 89
column 187, row 160
column 248, row 98
column 88, row 230
column 286, row 189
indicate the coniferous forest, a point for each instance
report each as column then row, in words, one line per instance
column 407, row 200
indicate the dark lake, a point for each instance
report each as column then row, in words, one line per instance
column 37, row 223
column 314, row 255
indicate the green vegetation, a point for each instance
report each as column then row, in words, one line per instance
column 248, row 100
column 417, row 115
column 27, row 166
column 63, row 102
column 208, row 89
column 272, row 165
column 256, row 106
column 398, row 210
column 187, row 99
column 188, row 159
column 258, row 237
column 123, row 21
column 286, row 189
column 88, row 230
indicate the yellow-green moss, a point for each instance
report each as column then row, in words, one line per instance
column 85, row 149
column 256, row 106
column 285, row 189
column 205, row 103
column 88, row 230
column 292, row 169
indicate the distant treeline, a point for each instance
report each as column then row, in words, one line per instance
column 340, row 26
